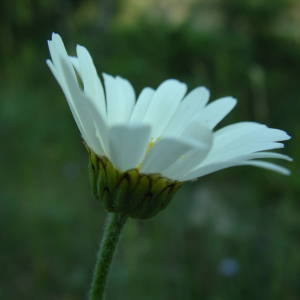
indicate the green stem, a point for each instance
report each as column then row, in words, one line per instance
column 105, row 254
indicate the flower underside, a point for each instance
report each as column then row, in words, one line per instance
column 132, row 193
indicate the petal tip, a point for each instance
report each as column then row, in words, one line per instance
column 81, row 50
column 233, row 100
column 287, row 172
column 55, row 36
column 48, row 62
column 288, row 137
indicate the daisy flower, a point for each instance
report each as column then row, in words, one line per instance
column 147, row 146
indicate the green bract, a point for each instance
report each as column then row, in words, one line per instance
column 132, row 193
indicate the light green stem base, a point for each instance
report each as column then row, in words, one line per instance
column 114, row 225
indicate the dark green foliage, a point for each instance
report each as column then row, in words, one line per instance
column 231, row 235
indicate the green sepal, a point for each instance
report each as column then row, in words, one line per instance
column 132, row 193
column 93, row 172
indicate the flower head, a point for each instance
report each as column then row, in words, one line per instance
column 164, row 133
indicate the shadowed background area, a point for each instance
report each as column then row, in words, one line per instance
column 230, row 235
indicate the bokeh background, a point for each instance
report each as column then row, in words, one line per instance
column 231, row 235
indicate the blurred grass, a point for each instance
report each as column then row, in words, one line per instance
column 50, row 222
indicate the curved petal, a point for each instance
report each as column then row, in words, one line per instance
column 188, row 108
column 128, row 144
column 268, row 155
column 216, row 111
column 164, row 153
column 205, row 170
column 60, row 78
column 141, row 105
column 203, row 138
column 91, row 82
column 120, row 99
column 249, row 160
column 57, row 49
column 64, row 73
column 75, row 62
column 268, row 165
column 83, row 110
column 223, row 165
column 163, row 105
column 242, row 139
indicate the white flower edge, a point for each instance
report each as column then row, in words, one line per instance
column 164, row 131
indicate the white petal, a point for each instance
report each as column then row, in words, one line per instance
column 56, row 67
column 164, row 104
column 128, row 145
column 242, row 128
column 268, row 155
column 120, row 99
column 242, row 139
column 58, row 51
column 59, row 44
column 268, row 165
column 199, row 134
column 192, row 159
column 75, row 62
column 164, row 153
column 202, row 171
column 54, row 53
column 190, row 106
column 240, row 161
column 92, row 85
column 61, row 81
column 53, row 70
column 60, row 78
column 84, row 110
column 216, row 111
column 100, row 126
column 141, row 105
column 196, row 98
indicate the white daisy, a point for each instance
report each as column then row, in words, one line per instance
column 164, row 131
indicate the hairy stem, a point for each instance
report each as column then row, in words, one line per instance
column 114, row 225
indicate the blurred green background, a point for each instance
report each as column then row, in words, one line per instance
column 230, row 235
